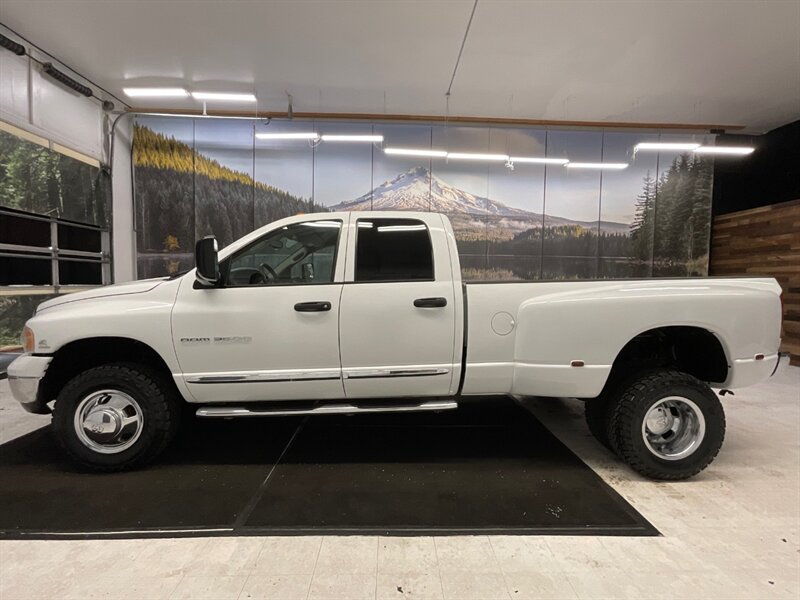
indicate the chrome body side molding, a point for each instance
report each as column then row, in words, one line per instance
column 321, row 375
column 376, row 373
column 329, row 409
column 267, row 377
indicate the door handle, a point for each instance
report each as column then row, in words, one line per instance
column 430, row 302
column 312, row 306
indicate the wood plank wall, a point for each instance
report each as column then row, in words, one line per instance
column 764, row 241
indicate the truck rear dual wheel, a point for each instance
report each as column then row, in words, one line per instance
column 117, row 416
column 596, row 413
column 665, row 424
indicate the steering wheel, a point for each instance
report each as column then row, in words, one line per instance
column 268, row 273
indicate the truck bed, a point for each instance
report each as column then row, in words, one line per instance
column 561, row 338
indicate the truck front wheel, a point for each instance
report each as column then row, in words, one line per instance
column 116, row 416
column 667, row 424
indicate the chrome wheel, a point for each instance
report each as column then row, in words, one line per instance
column 108, row 421
column 673, row 428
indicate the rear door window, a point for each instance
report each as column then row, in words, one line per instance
column 393, row 250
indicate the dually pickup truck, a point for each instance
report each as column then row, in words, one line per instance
column 366, row 312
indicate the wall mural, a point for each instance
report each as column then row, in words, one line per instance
column 36, row 179
column 195, row 177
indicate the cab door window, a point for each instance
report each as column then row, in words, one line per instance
column 393, row 250
column 297, row 254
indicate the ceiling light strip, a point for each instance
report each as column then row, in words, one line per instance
column 351, row 138
column 476, row 156
column 539, row 160
column 415, row 152
column 730, row 150
column 224, row 96
column 666, row 146
column 138, row 92
column 309, row 135
column 612, row 166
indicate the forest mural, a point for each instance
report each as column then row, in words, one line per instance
column 198, row 177
column 672, row 224
column 183, row 196
column 36, row 179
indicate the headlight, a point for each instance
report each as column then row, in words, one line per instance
column 27, row 339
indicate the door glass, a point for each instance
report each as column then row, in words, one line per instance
column 302, row 253
column 393, row 250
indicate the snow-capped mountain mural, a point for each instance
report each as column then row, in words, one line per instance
column 210, row 176
column 419, row 189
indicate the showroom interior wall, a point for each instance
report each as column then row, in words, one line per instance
column 52, row 148
column 757, row 219
column 525, row 221
column 769, row 176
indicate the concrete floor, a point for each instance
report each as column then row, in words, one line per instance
column 732, row 532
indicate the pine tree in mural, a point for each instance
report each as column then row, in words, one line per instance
column 701, row 215
column 642, row 226
column 673, row 218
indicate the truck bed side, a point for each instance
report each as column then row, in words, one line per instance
column 562, row 338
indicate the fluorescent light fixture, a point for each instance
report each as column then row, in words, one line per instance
column 618, row 166
column 415, row 152
column 735, row 150
column 471, row 156
column 225, row 96
column 543, row 161
column 352, row 138
column 143, row 92
column 666, row 146
column 366, row 224
column 309, row 135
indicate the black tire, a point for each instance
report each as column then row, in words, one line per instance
column 157, row 398
column 596, row 412
column 628, row 411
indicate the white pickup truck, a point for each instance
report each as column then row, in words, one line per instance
column 366, row 311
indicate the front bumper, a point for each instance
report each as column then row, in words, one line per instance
column 24, row 377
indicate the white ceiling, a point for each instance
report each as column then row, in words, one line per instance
column 719, row 62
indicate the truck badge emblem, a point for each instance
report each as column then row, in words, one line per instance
column 195, row 340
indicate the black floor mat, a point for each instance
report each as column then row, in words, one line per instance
column 488, row 467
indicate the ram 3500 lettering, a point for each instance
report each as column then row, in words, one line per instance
column 359, row 312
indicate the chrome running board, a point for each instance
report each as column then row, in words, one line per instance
column 327, row 409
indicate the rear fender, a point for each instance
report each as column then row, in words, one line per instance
column 592, row 325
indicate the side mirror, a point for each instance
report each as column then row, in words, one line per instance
column 205, row 256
